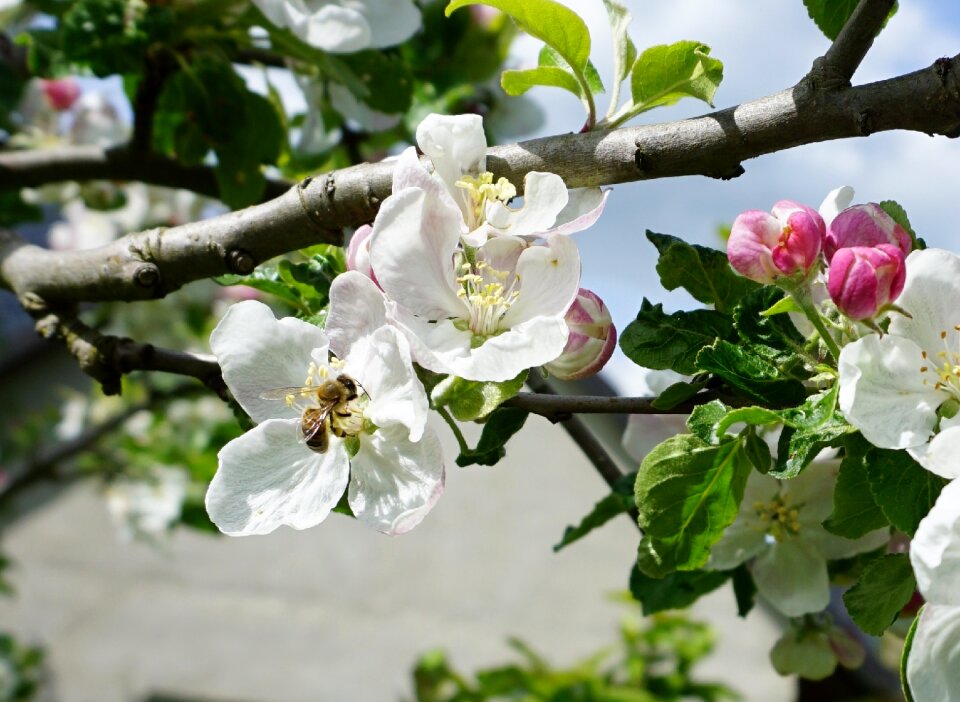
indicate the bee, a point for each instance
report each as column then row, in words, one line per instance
column 321, row 403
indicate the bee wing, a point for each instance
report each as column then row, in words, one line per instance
column 305, row 391
column 312, row 423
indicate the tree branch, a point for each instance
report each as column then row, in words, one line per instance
column 154, row 263
column 34, row 168
column 836, row 67
column 559, row 407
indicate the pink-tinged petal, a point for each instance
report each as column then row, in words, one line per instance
column 61, row 93
column 864, row 225
column 409, row 172
column 258, row 352
column 862, row 280
column 592, row 339
column 792, row 576
column 942, row 454
column 549, row 278
column 357, row 309
column 394, row 482
column 544, row 197
column 882, row 392
column 268, row 478
column 933, row 665
column 584, row 207
column 935, row 549
column 455, row 144
column 358, row 251
column 381, row 362
column 414, row 238
column 749, row 249
column 930, row 295
column 835, row 202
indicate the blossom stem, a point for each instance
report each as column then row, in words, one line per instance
column 452, row 423
column 810, row 310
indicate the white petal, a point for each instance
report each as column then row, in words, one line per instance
column 268, row 477
column 335, row 29
column 882, row 392
column 502, row 357
column 942, row 454
column 549, row 281
column 409, row 172
column 793, row 577
column 356, row 310
column 930, row 295
column 381, row 362
column 835, row 202
column 935, row 549
column 411, row 251
column 273, row 10
column 933, row 666
column 544, row 197
column 456, row 145
column 741, row 541
column 391, row 21
column 583, row 209
column 395, row 482
column 258, row 352
column 351, row 108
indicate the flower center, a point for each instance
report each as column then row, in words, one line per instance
column 945, row 365
column 487, row 295
column 481, row 190
column 779, row 519
column 341, row 395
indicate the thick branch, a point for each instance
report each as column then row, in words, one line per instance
column 835, row 68
column 151, row 264
column 33, row 168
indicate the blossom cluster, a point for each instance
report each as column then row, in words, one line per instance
column 452, row 276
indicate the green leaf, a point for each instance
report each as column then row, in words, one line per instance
column 776, row 333
column 748, row 373
column 675, row 591
column 517, row 82
column 808, row 430
column 677, row 393
column 13, row 210
column 899, row 215
column 550, row 58
column 703, row 421
column 886, row 585
column 265, row 278
column 468, row 400
column 757, row 452
column 855, row 512
column 619, row 501
column 905, row 656
column 703, row 272
column 902, row 488
column 744, row 590
column 380, row 79
column 662, row 75
column 687, row 493
column 499, row 427
column 754, row 416
column 831, row 15
column 552, row 23
column 658, row 340
column 624, row 51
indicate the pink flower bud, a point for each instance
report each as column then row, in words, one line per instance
column 862, row 279
column 764, row 246
column 358, row 252
column 864, row 225
column 591, row 342
column 61, row 93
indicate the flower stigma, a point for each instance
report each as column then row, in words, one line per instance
column 778, row 518
column 946, row 365
column 487, row 295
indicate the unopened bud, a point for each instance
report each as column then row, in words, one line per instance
column 864, row 225
column 358, row 252
column 764, row 246
column 61, row 93
column 591, row 342
column 863, row 279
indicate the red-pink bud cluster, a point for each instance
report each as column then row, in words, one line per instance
column 61, row 93
column 765, row 246
column 591, row 341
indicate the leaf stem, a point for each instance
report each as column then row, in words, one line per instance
column 809, row 309
column 452, row 423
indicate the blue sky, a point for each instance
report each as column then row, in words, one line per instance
column 765, row 47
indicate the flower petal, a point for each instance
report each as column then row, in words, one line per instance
column 882, row 392
column 409, row 172
column 929, row 295
column 396, row 482
column 549, row 280
column 793, row 577
column 544, row 197
column 257, row 352
column 940, row 456
column 935, row 549
column 391, row 21
column 933, row 666
column 381, row 362
column 584, row 207
column 456, row 145
column 268, row 477
column 411, row 250
column 333, row 28
column 741, row 541
column 835, row 202
column 502, row 357
column 357, row 309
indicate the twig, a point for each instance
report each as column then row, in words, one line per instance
column 836, row 67
column 157, row 67
column 559, row 407
column 317, row 209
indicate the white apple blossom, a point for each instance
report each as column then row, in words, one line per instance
column 270, row 476
column 345, row 26
column 457, row 147
column 901, row 389
column 486, row 315
column 933, row 666
column 779, row 534
column 148, row 507
column 835, row 202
